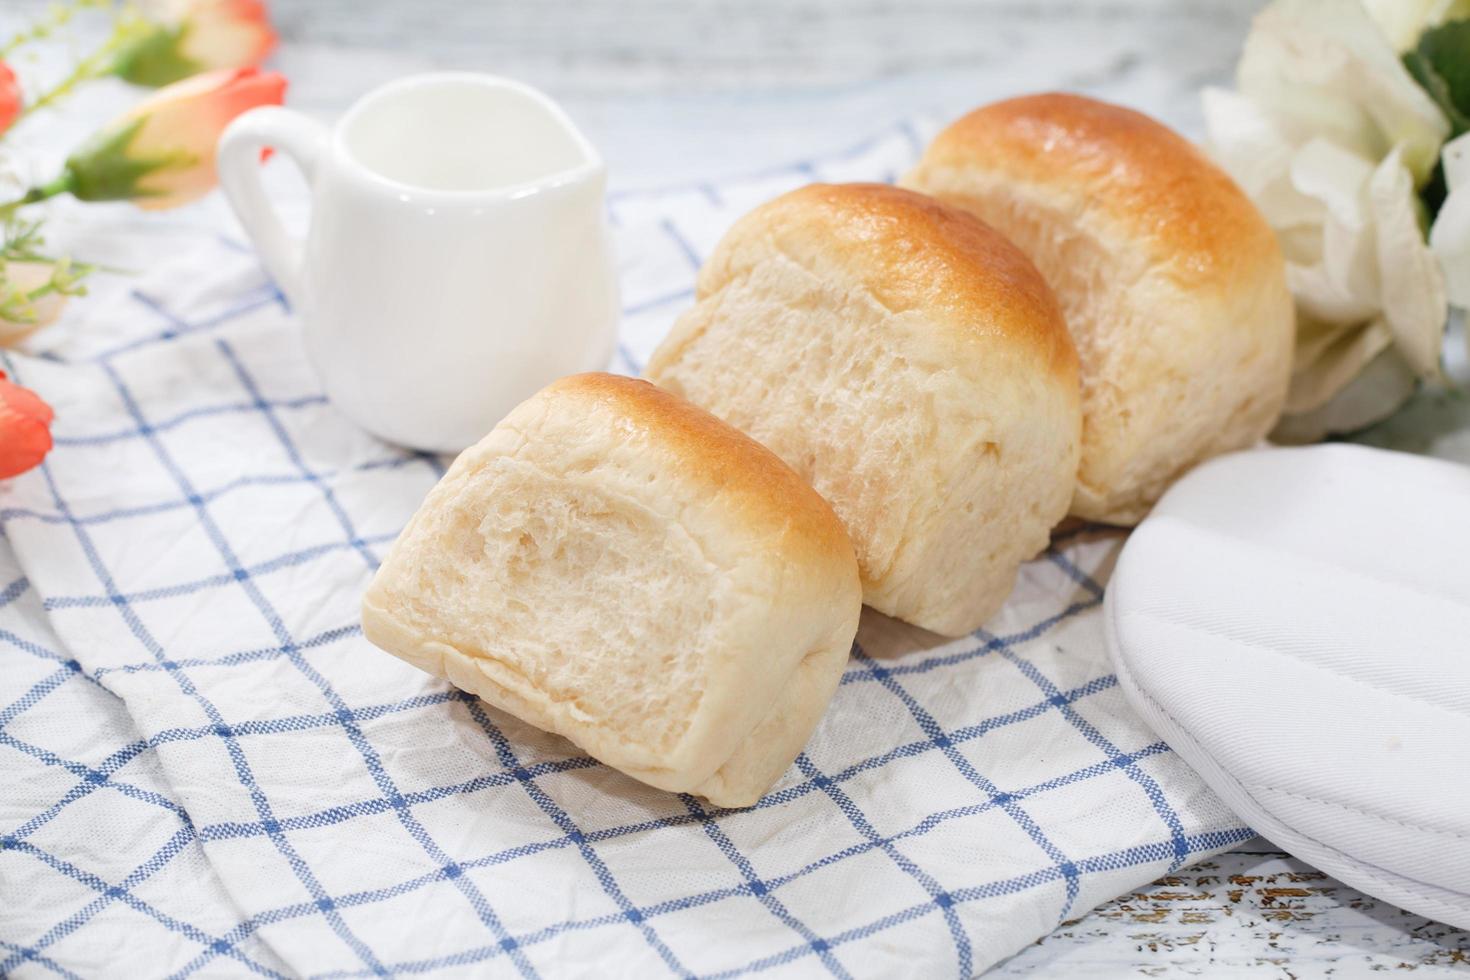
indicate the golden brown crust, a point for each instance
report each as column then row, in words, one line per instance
column 726, row 460
column 914, row 252
column 1187, row 212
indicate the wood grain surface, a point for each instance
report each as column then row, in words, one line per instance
column 1254, row 912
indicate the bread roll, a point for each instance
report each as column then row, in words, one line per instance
column 910, row 363
column 622, row 568
column 1171, row 281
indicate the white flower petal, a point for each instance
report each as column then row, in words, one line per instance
column 1331, row 137
column 1314, row 384
column 1244, row 141
column 1456, row 159
column 1247, row 143
column 1334, row 276
column 1413, row 286
column 1379, row 391
column 1302, row 244
column 1450, row 237
column 1341, row 284
column 1304, row 111
column 1324, row 294
column 1402, row 21
column 1450, row 241
column 1324, row 67
column 1314, row 338
column 1335, row 177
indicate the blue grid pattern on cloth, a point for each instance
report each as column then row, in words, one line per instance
column 205, row 766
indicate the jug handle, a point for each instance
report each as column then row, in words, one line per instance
column 238, row 159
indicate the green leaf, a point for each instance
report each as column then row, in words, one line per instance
column 104, row 169
column 1441, row 64
column 101, row 171
column 155, row 59
column 1439, row 90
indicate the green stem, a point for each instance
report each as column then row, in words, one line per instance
column 56, row 17
column 67, row 284
column 95, row 65
column 41, row 292
column 98, row 64
column 61, row 185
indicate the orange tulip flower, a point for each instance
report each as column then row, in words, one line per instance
column 25, row 428
column 160, row 153
column 10, row 97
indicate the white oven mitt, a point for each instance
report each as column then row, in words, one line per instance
column 1295, row 623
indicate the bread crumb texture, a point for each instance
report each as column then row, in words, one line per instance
column 617, row 566
column 1171, row 282
column 911, row 364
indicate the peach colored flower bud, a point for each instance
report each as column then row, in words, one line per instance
column 160, row 154
column 18, row 280
column 207, row 35
column 25, row 428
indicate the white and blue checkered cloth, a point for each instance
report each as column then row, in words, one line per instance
column 204, row 768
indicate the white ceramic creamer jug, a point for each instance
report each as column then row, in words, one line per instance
column 457, row 258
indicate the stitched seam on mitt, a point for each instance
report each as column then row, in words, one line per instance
column 1408, row 824
column 1309, row 664
column 1370, row 871
column 1308, row 560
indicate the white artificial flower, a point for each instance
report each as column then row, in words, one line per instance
column 1386, row 380
column 1330, row 136
column 1324, row 68
column 1450, row 237
column 1402, row 21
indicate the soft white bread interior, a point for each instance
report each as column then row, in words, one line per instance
column 913, row 366
column 1171, row 281
column 620, row 567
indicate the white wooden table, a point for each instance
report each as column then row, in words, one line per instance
column 673, row 90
